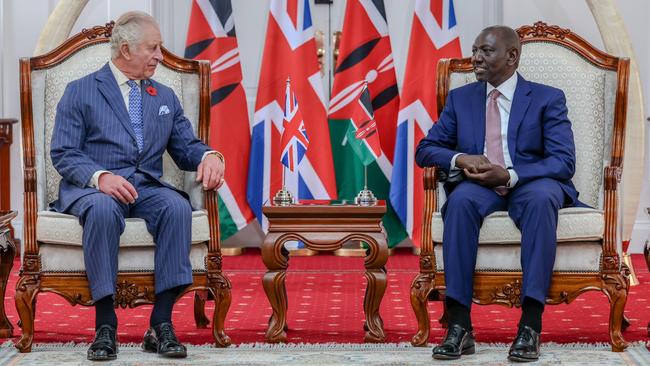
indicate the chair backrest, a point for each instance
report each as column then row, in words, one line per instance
column 44, row 79
column 595, row 87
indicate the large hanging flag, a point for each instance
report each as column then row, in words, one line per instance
column 211, row 36
column 289, row 52
column 365, row 55
column 294, row 141
column 434, row 35
column 362, row 133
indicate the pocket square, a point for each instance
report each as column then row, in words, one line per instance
column 163, row 110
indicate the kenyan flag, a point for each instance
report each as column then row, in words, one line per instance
column 211, row 36
column 365, row 58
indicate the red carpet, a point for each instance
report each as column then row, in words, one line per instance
column 325, row 305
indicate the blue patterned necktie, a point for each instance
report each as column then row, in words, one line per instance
column 135, row 112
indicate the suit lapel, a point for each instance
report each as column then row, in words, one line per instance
column 520, row 103
column 478, row 108
column 110, row 90
column 149, row 113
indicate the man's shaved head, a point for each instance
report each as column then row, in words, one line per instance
column 508, row 36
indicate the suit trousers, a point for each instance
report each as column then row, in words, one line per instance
column 534, row 209
column 168, row 217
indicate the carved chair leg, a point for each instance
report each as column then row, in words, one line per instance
column 615, row 287
column 625, row 324
column 26, row 290
column 200, row 319
column 220, row 289
column 421, row 286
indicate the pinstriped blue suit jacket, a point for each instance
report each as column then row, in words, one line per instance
column 93, row 131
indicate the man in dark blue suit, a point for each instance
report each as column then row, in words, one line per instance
column 505, row 144
column 111, row 130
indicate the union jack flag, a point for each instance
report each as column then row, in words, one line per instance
column 289, row 52
column 434, row 35
column 294, row 137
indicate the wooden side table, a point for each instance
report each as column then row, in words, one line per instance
column 324, row 227
column 7, row 253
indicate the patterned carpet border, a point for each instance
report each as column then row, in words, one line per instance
column 325, row 354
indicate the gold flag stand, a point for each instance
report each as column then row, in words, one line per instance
column 232, row 251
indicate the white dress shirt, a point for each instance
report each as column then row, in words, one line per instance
column 504, row 102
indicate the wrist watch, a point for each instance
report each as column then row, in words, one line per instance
column 219, row 155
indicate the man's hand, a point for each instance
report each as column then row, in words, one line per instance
column 210, row 172
column 489, row 175
column 117, row 187
column 471, row 163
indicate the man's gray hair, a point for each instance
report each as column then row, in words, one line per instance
column 128, row 29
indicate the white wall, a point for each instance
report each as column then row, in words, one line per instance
column 18, row 38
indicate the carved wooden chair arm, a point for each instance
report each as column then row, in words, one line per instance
column 612, row 178
column 212, row 206
column 430, row 181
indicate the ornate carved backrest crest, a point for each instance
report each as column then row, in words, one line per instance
column 541, row 29
column 99, row 31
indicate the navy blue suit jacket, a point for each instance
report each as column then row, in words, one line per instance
column 540, row 140
column 93, row 132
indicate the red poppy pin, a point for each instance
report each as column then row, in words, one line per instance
column 152, row 91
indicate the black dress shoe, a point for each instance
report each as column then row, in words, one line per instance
column 104, row 347
column 161, row 339
column 525, row 348
column 458, row 341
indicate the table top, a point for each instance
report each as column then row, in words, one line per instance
column 324, row 207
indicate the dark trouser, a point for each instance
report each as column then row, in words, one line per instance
column 534, row 209
column 168, row 216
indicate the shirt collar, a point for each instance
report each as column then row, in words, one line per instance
column 507, row 88
column 119, row 75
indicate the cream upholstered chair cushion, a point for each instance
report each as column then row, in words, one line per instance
column 590, row 93
column 59, row 235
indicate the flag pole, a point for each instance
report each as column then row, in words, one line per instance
column 365, row 196
column 365, row 177
column 283, row 197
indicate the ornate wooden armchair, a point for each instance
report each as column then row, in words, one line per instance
column 589, row 245
column 52, row 254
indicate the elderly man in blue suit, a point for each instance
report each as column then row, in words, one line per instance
column 111, row 130
column 505, row 143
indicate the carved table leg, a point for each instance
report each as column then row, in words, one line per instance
column 276, row 262
column 420, row 288
column 7, row 254
column 615, row 286
column 376, row 276
column 26, row 290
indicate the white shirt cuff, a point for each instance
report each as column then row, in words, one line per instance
column 452, row 165
column 215, row 152
column 94, row 181
column 514, row 178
